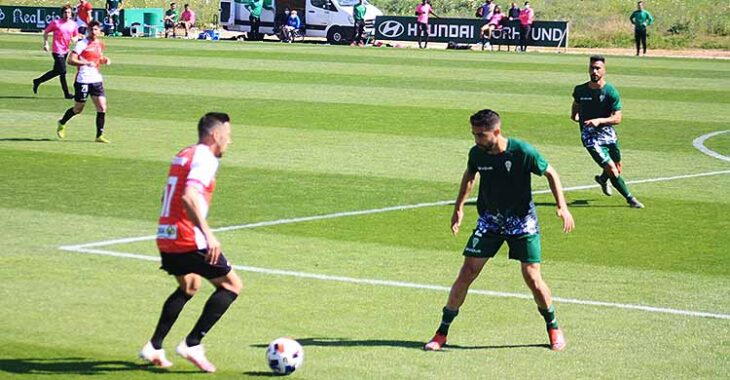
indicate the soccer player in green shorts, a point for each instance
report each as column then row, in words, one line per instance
column 506, row 214
column 597, row 108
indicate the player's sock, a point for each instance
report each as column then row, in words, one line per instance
column 604, row 177
column 100, row 118
column 67, row 116
column 446, row 320
column 170, row 311
column 214, row 308
column 549, row 316
column 620, row 185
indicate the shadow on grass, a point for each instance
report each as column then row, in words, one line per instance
column 24, row 139
column 260, row 374
column 79, row 366
column 344, row 342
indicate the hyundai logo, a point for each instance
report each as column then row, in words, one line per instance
column 391, row 29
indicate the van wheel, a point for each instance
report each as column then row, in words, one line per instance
column 336, row 36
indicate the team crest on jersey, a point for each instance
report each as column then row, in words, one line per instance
column 602, row 97
column 508, row 165
column 167, row 231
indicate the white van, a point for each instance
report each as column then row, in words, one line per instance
column 320, row 18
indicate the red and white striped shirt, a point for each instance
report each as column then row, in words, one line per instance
column 193, row 166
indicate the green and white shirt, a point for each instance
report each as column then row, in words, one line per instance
column 597, row 103
column 505, row 203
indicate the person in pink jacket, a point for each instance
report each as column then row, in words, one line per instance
column 64, row 31
column 527, row 16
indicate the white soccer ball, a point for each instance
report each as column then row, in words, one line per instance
column 284, row 355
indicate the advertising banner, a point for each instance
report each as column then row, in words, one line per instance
column 464, row 30
column 35, row 18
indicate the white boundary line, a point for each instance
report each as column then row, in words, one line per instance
column 88, row 248
column 699, row 144
column 411, row 285
column 278, row 222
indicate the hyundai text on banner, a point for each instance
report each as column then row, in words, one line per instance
column 35, row 18
column 465, row 30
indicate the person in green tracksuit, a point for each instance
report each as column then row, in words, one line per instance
column 254, row 17
column 358, row 14
column 641, row 19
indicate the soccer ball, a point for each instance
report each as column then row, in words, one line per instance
column 284, row 355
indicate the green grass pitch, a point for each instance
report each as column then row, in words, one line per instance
column 325, row 129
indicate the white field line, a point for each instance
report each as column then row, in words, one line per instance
column 411, row 285
column 699, row 144
column 367, row 212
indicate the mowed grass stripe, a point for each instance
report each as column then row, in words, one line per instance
column 486, row 87
column 326, row 151
column 482, row 75
column 30, row 43
column 539, row 104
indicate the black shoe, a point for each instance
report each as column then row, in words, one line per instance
column 35, row 86
column 634, row 203
column 69, row 96
column 604, row 185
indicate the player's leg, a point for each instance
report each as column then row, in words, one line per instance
column 616, row 177
column 61, row 62
column 228, row 286
column 50, row 74
column 637, row 40
column 100, row 103
column 188, row 286
column 543, row 298
column 81, row 94
column 643, row 40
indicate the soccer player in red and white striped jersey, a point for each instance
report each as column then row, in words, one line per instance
column 188, row 248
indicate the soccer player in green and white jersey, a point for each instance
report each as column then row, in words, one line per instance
column 597, row 108
column 506, row 213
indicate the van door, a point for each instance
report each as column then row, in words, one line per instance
column 318, row 17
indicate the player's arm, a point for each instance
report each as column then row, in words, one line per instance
column 191, row 202
column 467, row 184
column 614, row 119
column 632, row 18
column 575, row 112
column 76, row 60
column 562, row 208
column 45, row 40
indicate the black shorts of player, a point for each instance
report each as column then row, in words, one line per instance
column 83, row 90
column 180, row 264
column 169, row 24
column 422, row 28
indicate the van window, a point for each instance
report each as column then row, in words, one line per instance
column 320, row 4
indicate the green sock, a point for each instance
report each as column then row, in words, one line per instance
column 549, row 316
column 446, row 320
column 620, row 185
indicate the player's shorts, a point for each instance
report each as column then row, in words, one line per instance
column 169, row 24
column 180, row 264
column 524, row 248
column 603, row 154
column 83, row 90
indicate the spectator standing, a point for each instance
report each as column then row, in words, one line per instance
column 514, row 12
column 83, row 15
column 358, row 13
column 170, row 20
column 113, row 8
column 64, row 31
column 423, row 10
column 486, row 11
column 187, row 19
column 527, row 16
column 280, row 21
column 641, row 19
column 254, row 17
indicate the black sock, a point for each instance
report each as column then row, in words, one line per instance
column 100, row 117
column 170, row 310
column 214, row 308
column 64, row 85
column 604, row 177
column 67, row 116
column 446, row 320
